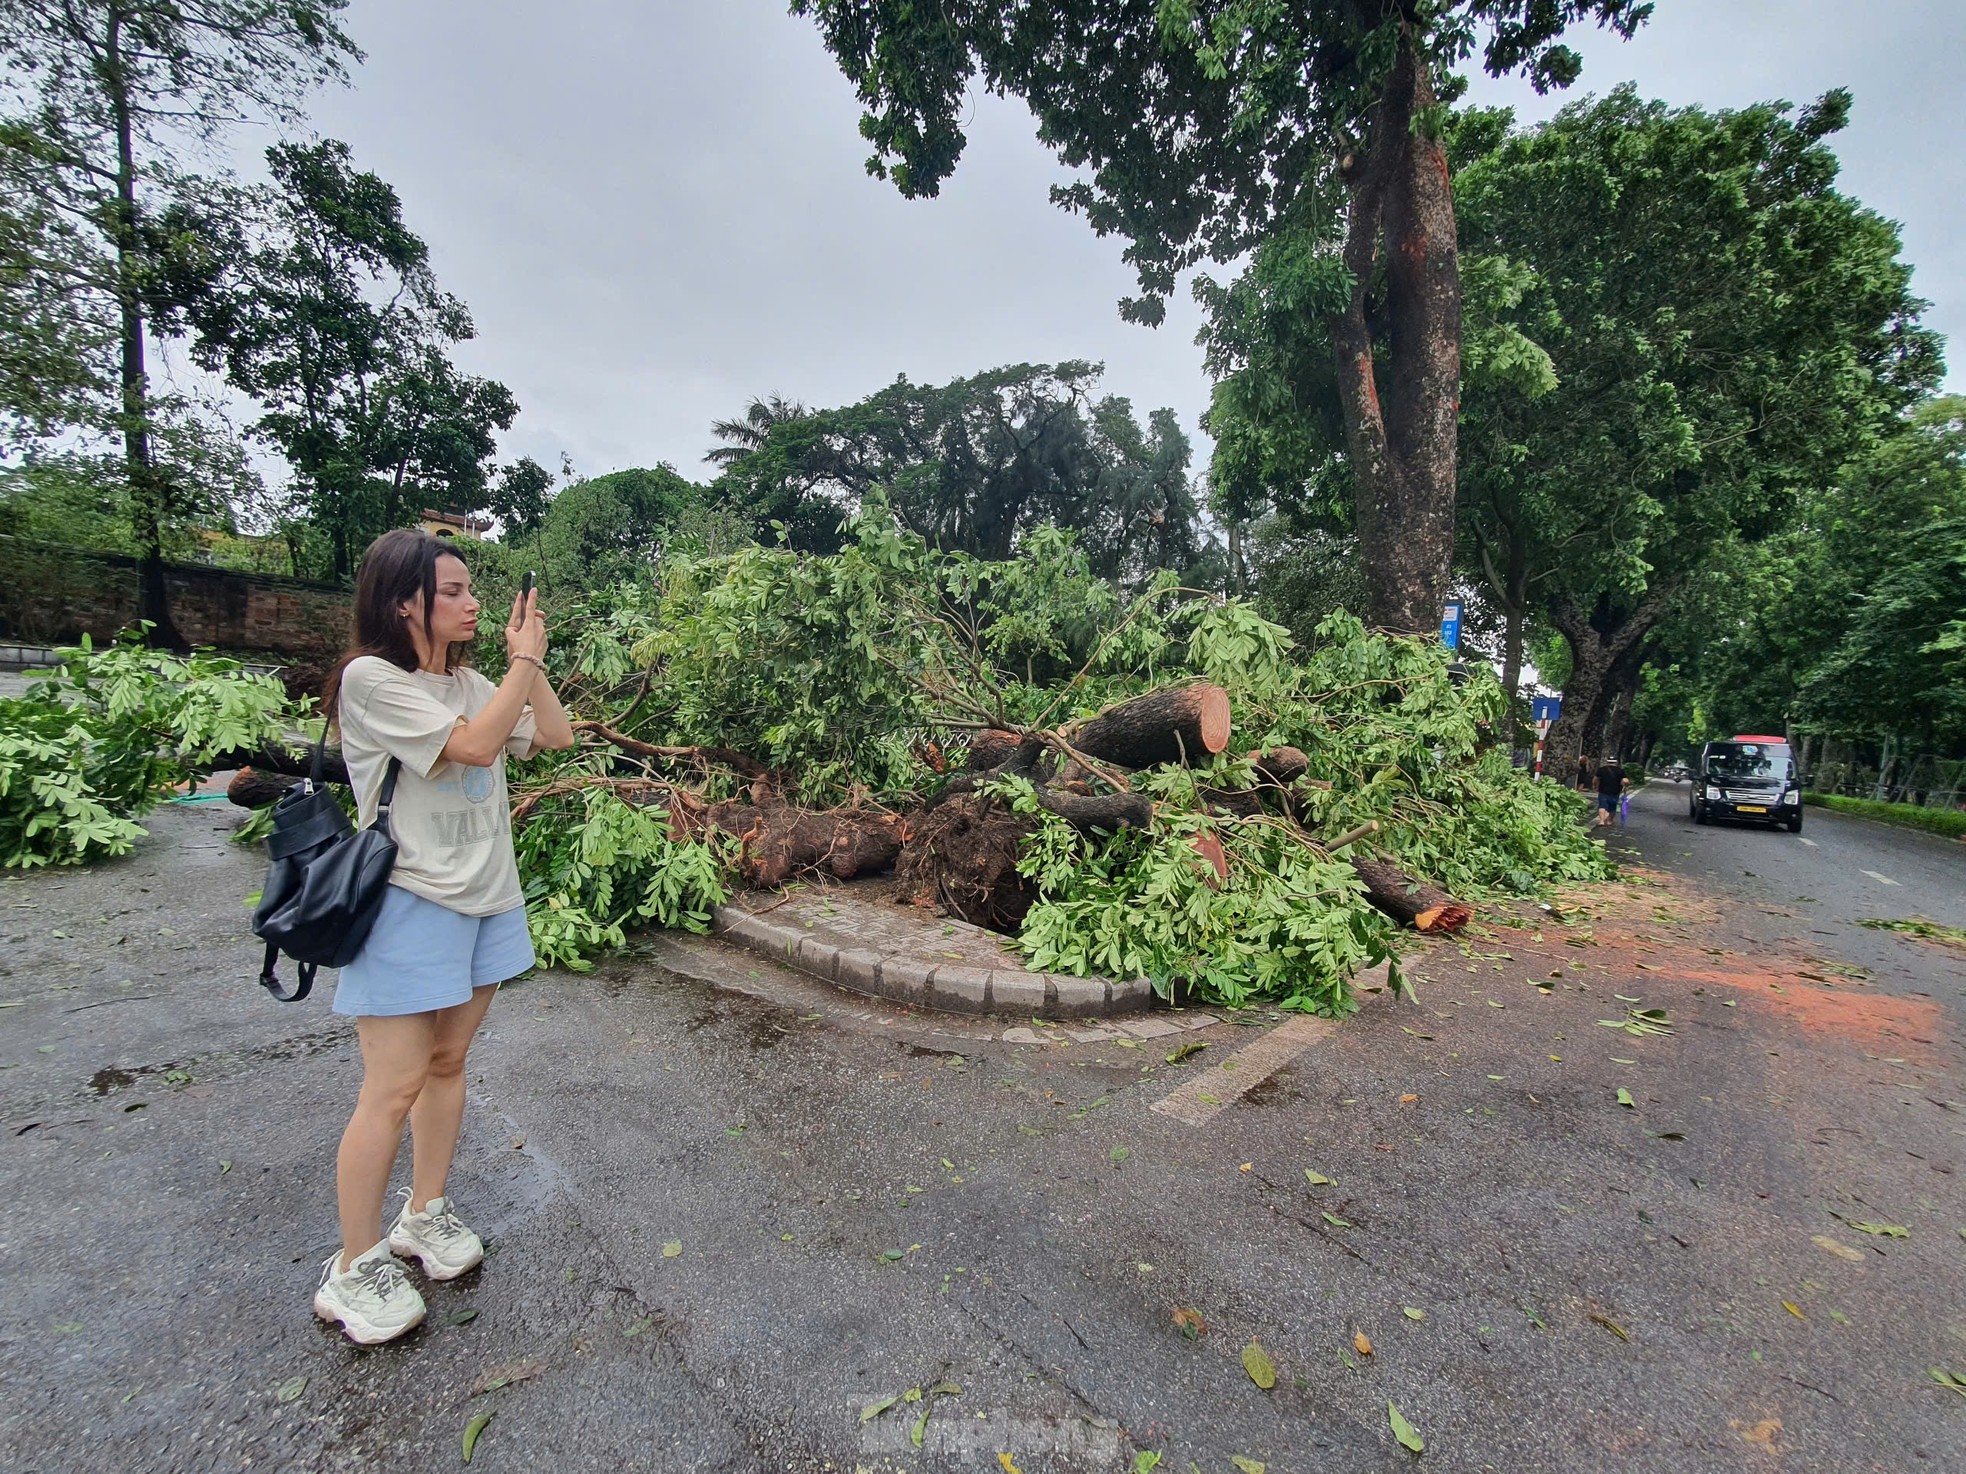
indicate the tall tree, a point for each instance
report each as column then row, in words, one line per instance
column 430, row 434
column 329, row 316
column 1206, row 125
column 614, row 527
column 97, row 94
column 1726, row 329
column 1280, row 464
column 749, row 433
column 521, row 498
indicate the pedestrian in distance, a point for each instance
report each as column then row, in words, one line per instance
column 1583, row 773
column 452, row 926
column 1611, row 786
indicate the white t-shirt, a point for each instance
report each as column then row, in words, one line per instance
column 452, row 824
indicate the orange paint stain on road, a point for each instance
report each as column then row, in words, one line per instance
column 1871, row 1021
column 1875, row 1021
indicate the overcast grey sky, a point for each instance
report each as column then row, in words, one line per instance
column 657, row 209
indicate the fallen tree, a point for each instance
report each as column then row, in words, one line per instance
column 1163, row 787
column 1090, row 786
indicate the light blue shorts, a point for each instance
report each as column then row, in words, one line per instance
column 422, row 957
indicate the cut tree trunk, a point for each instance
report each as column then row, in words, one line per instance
column 777, row 841
column 1113, row 811
column 1411, row 902
column 1276, row 771
column 991, row 748
column 1244, row 803
column 294, row 763
column 1282, row 766
column 252, row 789
column 1167, row 726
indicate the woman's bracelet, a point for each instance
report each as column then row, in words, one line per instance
column 533, row 658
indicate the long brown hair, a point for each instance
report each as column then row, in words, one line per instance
column 397, row 565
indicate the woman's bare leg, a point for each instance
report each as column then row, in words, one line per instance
column 438, row 1114
column 395, row 1062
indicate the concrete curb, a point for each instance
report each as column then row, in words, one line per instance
column 923, row 982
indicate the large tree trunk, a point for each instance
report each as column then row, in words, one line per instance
column 1600, row 643
column 147, row 491
column 1511, row 672
column 1618, row 715
column 1179, row 724
column 1401, row 444
column 1605, row 729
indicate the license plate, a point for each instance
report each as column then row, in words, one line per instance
column 1750, row 808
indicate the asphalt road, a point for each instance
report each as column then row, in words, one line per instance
column 1852, row 867
column 731, row 1209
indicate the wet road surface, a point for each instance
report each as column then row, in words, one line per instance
column 732, row 1209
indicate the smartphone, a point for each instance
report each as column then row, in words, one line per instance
column 525, row 585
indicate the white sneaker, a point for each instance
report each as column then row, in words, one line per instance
column 374, row 1300
column 436, row 1237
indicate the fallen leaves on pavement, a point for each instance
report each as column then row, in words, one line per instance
column 1256, row 1361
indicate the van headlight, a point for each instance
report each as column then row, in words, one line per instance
column 1793, row 796
column 1712, row 792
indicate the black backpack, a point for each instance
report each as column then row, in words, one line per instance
column 327, row 881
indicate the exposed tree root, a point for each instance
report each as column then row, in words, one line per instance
column 962, row 855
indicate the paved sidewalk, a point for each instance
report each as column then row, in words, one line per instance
column 911, row 956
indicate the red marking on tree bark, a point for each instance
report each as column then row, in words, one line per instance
column 1368, row 390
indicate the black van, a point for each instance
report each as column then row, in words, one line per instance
column 1748, row 778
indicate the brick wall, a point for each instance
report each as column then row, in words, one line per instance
column 51, row 595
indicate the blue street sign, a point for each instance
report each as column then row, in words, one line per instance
column 1545, row 708
column 1450, row 626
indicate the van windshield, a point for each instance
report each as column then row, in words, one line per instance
column 1750, row 760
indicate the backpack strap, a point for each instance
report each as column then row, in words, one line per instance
column 303, row 977
column 387, row 796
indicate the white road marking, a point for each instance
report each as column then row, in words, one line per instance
column 1880, row 879
column 1810, row 842
column 1214, row 1091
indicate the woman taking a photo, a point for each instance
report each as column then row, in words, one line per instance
column 453, row 922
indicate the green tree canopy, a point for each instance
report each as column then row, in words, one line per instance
column 614, row 527
column 976, row 464
column 1839, row 625
column 1205, row 127
column 1725, row 328
column 97, row 100
column 327, row 313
